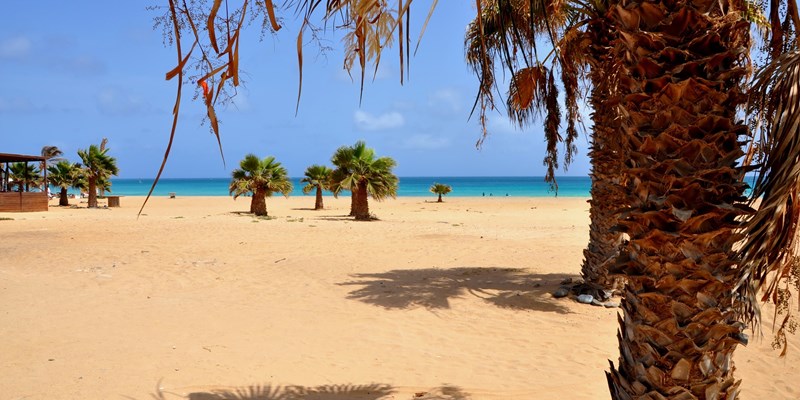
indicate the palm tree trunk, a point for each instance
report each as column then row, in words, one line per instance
column 353, row 196
column 440, row 198
column 680, row 85
column 362, row 203
column 258, row 205
column 606, row 157
column 62, row 198
column 318, row 203
column 92, row 192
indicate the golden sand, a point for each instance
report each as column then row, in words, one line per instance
column 434, row 301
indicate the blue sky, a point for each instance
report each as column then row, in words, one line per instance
column 75, row 72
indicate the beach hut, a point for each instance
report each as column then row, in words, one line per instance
column 23, row 199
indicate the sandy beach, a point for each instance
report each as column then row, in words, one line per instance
column 447, row 301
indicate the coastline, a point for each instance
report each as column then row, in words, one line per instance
column 514, row 186
column 449, row 299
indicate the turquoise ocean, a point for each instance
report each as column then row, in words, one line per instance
column 568, row 186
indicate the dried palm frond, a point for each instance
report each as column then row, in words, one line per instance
column 770, row 254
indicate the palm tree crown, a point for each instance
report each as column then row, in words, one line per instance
column 259, row 178
column 24, row 175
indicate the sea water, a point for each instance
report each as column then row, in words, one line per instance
column 568, row 186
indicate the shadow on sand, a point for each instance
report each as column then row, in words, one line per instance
column 373, row 391
column 433, row 288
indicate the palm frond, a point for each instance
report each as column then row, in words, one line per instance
column 770, row 253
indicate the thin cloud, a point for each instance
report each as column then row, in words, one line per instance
column 354, row 76
column 446, row 101
column 21, row 105
column 426, row 142
column 82, row 66
column 501, row 124
column 367, row 122
column 113, row 101
column 15, row 48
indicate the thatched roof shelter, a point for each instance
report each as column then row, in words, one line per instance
column 20, row 201
column 8, row 157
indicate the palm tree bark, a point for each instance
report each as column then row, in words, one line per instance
column 362, row 203
column 258, row 205
column 92, row 192
column 62, row 198
column 318, row 203
column 682, row 68
column 353, row 201
column 440, row 198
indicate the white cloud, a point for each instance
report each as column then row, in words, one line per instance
column 426, row 142
column 367, row 122
column 15, row 48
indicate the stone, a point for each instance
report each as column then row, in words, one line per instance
column 561, row 292
column 585, row 299
column 611, row 304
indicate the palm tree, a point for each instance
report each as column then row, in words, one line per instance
column 365, row 175
column 64, row 175
column 259, row 178
column 51, row 154
column 317, row 177
column 440, row 189
column 681, row 69
column 24, row 176
column 517, row 24
column 98, row 167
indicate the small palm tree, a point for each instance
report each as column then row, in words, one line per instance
column 440, row 189
column 259, row 178
column 366, row 176
column 319, row 177
column 98, row 167
column 23, row 175
column 64, row 175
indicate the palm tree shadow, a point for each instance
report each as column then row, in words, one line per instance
column 335, row 218
column 432, row 288
column 447, row 392
column 373, row 391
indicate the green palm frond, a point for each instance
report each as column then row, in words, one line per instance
column 97, row 164
column 24, row 175
column 358, row 164
column 440, row 188
column 254, row 174
column 316, row 176
column 63, row 174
